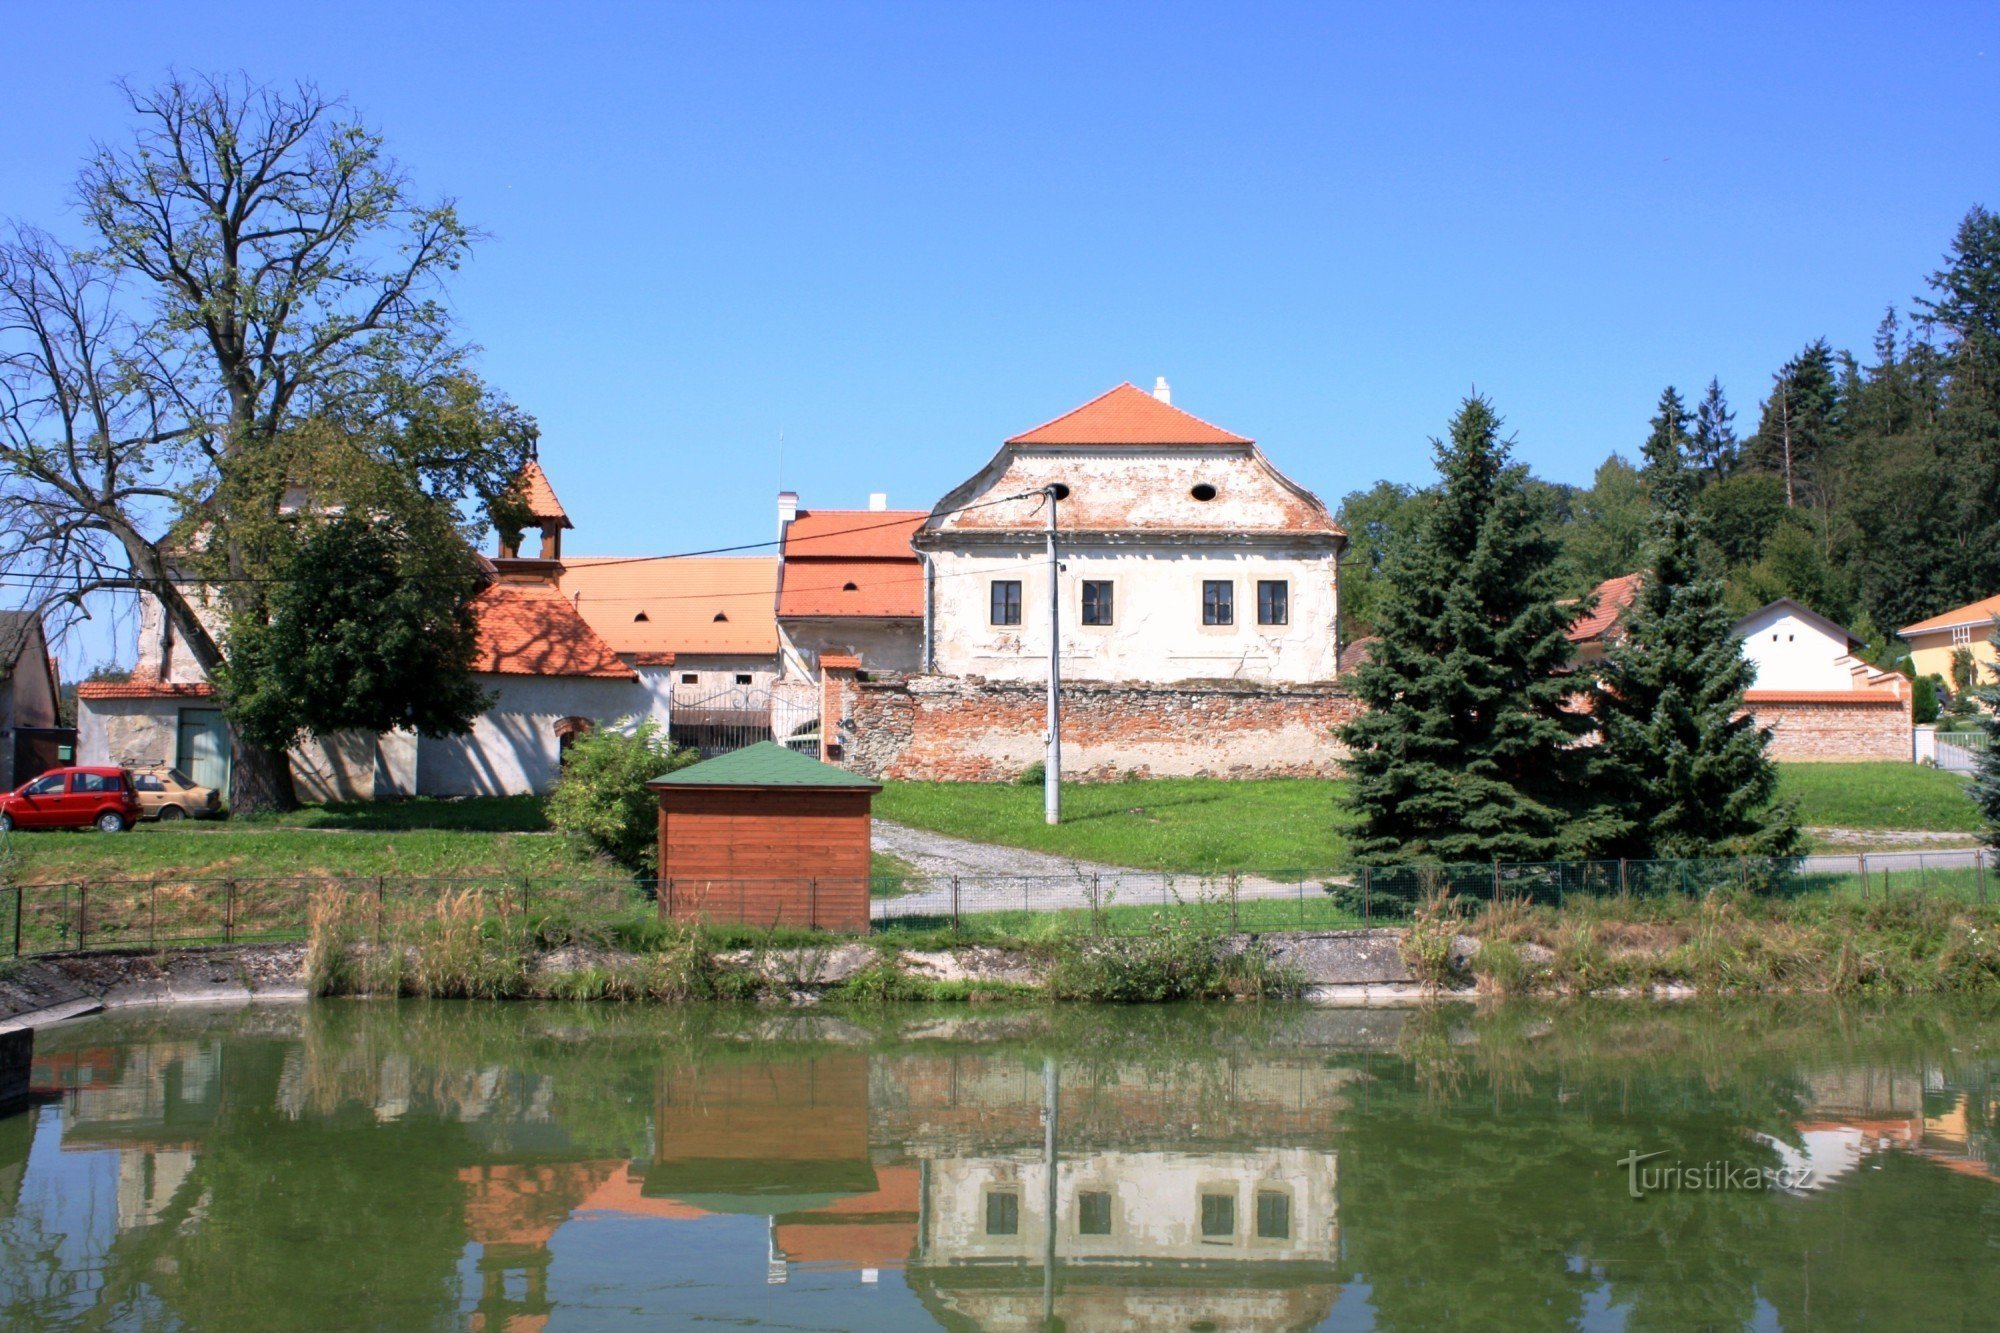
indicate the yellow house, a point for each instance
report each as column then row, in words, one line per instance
column 1932, row 642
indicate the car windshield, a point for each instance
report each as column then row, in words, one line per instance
column 47, row 785
column 179, row 779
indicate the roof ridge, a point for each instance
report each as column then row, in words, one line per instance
column 1142, row 401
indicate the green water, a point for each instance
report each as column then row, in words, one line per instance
column 412, row 1166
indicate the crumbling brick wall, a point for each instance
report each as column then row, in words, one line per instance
column 1836, row 732
column 944, row 728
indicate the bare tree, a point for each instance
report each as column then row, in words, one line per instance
column 258, row 261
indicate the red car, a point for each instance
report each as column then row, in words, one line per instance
column 73, row 798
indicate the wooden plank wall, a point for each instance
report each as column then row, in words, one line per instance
column 790, row 858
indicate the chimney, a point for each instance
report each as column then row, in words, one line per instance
column 788, row 509
column 878, row 501
column 1161, row 391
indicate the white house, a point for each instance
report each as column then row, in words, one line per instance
column 1185, row 555
column 27, row 693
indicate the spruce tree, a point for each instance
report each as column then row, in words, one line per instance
column 1466, row 752
column 1986, row 781
column 1682, row 769
column 1715, row 444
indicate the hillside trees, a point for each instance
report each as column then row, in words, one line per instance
column 1465, row 752
column 261, row 273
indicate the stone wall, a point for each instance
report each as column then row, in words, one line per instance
column 1830, row 731
column 945, row 728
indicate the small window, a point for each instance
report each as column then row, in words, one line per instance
column 1274, row 602
column 850, row 587
column 1274, row 1215
column 641, row 618
column 93, row 782
column 1096, row 602
column 1061, row 491
column 1006, row 605
column 691, row 678
column 148, row 782
column 1961, row 634
column 1003, row 1214
column 1218, row 1216
column 1203, row 492
column 742, row 679
column 720, row 617
column 1218, row 602
column 1093, row 1213
column 50, row 785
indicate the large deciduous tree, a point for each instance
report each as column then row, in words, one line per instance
column 261, row 273
column 1682, row 770
column 1465, row 752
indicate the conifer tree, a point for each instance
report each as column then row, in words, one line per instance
column 1715, row 444
column 1682, row 770
column 1986, row 781
column 1466, row 752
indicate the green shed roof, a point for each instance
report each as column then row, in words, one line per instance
column 765, row 764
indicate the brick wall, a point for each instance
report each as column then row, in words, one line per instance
column 951, row 729
column 1828, row 731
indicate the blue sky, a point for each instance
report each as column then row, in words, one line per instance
column 899, row 233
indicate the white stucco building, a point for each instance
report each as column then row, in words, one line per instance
column 1186, row 556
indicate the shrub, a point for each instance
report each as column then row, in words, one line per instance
column 602, row 797
column 1176, row 959
column 1924, row 700
column 1033, row 775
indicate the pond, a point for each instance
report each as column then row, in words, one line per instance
column 409, row 1165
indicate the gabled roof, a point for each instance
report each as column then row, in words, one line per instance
column 765, row 764
column 1980, row 612
column 540, row 496
column 19, row 631
column 710, row 604
column 1832, row 628
column 532, row 630
column 1613, row 596
column 851, row 562
column 1127, row 415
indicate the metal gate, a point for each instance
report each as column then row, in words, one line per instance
column 1959, row 751
column 719, row 721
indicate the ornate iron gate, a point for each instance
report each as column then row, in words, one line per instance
column 719, row 721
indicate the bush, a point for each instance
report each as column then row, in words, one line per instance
column 1034, row 775
column 602, row 797
column 1924, row 700
column 1177, row 959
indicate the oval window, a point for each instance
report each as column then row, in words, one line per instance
column 1203, row 491
column 1060, row 491
column 849, row 587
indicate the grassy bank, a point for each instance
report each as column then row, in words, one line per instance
column 1723, row 944
column 1879, row 796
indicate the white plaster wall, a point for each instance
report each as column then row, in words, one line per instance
column 882, row 645
column 1157, row 633
column 512, row 748
column 1155, row 1205
column 1791, row 653
column 718, row 671
column 164, row 655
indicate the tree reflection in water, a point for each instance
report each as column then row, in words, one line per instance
column 510, row 1167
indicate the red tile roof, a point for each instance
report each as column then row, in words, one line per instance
column 1613, row 596
column 1974, row 613
column 1860, row 696
column 710, row 604
column 839, row 662
column 540, row 496
column 532, row 630
column 1127, row 415
column 853, row 534
column 144, row 687
column 1355, row 655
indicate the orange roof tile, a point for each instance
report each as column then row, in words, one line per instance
column 853, row 534
column 1822, row 696
column 1613, row 596
column 144, row 687
column 710, row 604
column 875, row 588
column 540, row 496
column 839, row 662
column 532, row 630
column 1127, row 415
column 1980, row 612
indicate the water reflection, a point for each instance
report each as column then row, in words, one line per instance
column 372, row 1165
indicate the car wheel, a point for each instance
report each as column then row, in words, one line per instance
column 111, row 822
column 6, row 822
column 169, row 813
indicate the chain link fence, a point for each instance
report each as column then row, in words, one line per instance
column 150, row 914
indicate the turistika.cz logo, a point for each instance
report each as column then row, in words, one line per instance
column 1713, row 1177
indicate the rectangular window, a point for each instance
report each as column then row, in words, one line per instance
column 1218, row 1216
column 1096, row 602
column 1093, row 1213
column 1274, row 1215
column 742, row 680
column 1961, row 634
column 1006, row 602
column 690, row 678
column 1218, row 602
column 1003, row 1214
column 1274, row 602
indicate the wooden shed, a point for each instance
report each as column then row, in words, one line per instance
column 768, row 836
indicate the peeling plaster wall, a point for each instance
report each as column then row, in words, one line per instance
column 939, row 728
column 882, row 645
column 513, row 747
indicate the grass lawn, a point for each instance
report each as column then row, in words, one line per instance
column 476, row 838
column 1191, row 825
column 1879, row 796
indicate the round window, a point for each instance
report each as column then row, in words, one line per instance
column 1203, row 491
column 1060, row 491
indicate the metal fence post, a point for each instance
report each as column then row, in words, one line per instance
column 21, row 891
column 82, row 914
column 153, row 915
column 1624, row 886
column 1862, row 861
column 812, row 903
column 1367, row 914
column 1096, row 903
column 1496, row 881
column 379, row 912
column 1233, row 889
column 954, row 903
column 228, row 911
column 1978, row 865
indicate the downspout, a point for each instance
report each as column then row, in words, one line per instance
column 930, row 613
